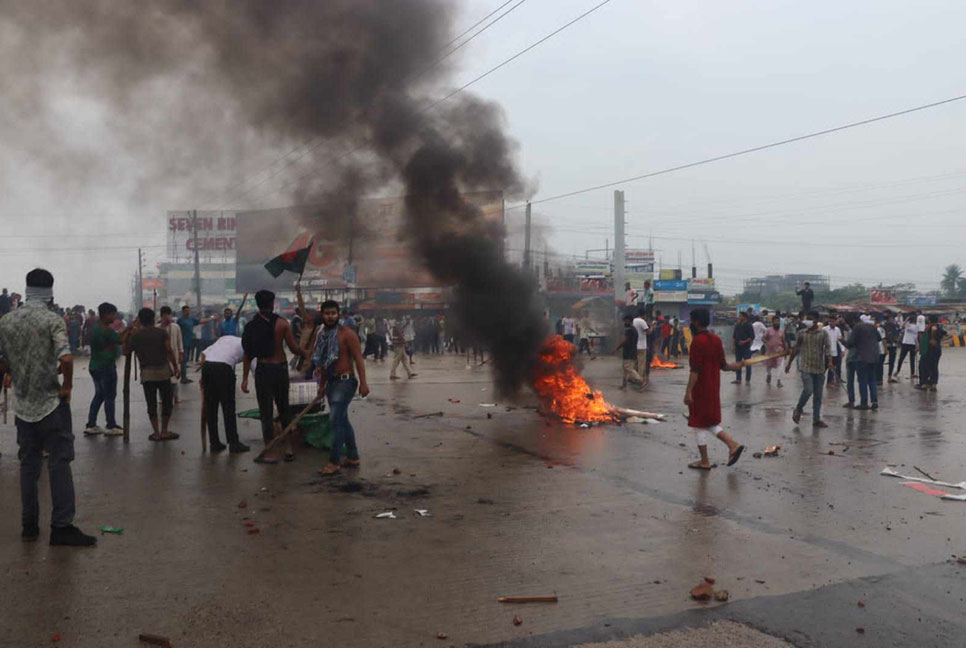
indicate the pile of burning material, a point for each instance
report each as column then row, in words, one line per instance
column 565, row 394
column 657, row 363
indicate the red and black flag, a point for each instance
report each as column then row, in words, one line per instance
column 293, row 261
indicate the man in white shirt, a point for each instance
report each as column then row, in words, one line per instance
column 759, row 328
column 218, row 382
column 569, row 328
column 910, row 335
column 630, row 295
column 834, row 334
column 640, row 325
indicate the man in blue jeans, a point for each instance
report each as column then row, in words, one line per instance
column 105, row 342
column 814, row 357
column 865, row 341
column 336, row 350
column 744, row 335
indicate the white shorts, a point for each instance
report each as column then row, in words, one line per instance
column 702, row 433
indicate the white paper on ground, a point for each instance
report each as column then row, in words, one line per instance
column 889, row 472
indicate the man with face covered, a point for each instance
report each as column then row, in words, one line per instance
column 336, row 350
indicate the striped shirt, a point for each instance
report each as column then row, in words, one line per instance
column 813, row 350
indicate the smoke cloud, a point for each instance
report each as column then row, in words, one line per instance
column 196, row 81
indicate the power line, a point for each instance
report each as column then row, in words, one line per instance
column 468, row 40
column 755, row 149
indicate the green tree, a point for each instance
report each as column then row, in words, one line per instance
column 953, row 282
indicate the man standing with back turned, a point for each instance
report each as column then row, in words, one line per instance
column 34, row 349
column 812, row 345
column 336, row 350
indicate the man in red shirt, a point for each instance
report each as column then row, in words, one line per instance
column 703, row 395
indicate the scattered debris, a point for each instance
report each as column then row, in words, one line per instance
column 111, row 529
column 860, row 630
column 419, row 416
column 55, row 637
column 485, row 500
column 922, row 488
column 254, row 530
column 454, row 400
column 416, row 492
column 709, row 580
column 528, row 599
column 832, row 452
column 756, row 455
column 760, row 582
column 249, row 523
column 388, row 515
column 702, row 591
column 487, row 404
column 889, row 472
column 721, row 595
column 517, row 620
column 636, row 419
column 396, row 471
column 489, row 415
column 923, row 473
column 154, row 640
column 861, row 604
column 243, row 504
column 440, row 635
column 422, row 512
column 772, row 451
column 351, row 487
column 584, row 425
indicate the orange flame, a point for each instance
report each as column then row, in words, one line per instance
column 657, row 363
column 563, row 390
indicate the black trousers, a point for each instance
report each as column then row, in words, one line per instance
column 151, row 390
column 892, row 360
column 909, row 349
column 218, row 381
column 271, row 386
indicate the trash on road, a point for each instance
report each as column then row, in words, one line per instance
column 721, row 595
column 388, row 515
column 422, row 512
column 889, row 472
column 154, row 640
column 757, row 455
column 772, row 451
column 702, row 591
column 922, row 488
column 528, row 599
column 243, row 504
column 636, row 419
column 111, row 529
column 440, row 635
column 453, row 400
column 517, row 620
column 419, row 416
column 487, row 404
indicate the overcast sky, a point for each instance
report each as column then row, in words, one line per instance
column 635, row 87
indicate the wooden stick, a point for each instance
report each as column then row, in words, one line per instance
column 624, row 411
column 762, row 358
column 917, row 468
column 155, row 640
column 528, row 599
column 4, row 405
column 126, row 417
column 288, row 428
column 419, row 416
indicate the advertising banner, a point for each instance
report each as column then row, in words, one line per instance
column 374, row 236
column 216, row 238
column 671, row 285
column 698, row 283
column 674, row 273
column 882, row 297
column 592, row 268
column 703, row 298
column 923, row 300
column 638, row 267
column 670, row 296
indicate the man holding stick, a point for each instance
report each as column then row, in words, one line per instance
column 812, row 345
column 336, row 350
column 152, row 346
column 703, row 394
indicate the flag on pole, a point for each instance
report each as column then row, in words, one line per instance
column 293, row 261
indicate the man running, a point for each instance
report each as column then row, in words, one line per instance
column 629, row 357
column 703, row 394
column 336, row 350
column 105, row 343
column 33, row 352
column 812, row 350
column 152, row 345
column 264, row 340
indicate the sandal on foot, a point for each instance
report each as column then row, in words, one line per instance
column 350, row 463
column 170, row 436
column 697, row 466
column 155, row 437
column 736, row 455
column 329, row 471
column 289, row 457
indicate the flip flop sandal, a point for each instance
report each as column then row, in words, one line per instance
column 350, row 463
column 263, row 460
column 736, row 455
column 170, row 436
column 155, row 437
column 699, row 467
column 329, row 473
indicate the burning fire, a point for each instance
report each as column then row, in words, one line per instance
column 657, row 363
column 563, row 390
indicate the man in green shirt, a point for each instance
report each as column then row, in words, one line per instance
column 105, row 342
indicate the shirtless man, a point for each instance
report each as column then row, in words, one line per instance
column 265, row 339
column 336, row 350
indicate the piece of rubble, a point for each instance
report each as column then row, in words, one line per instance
column 702, row 592
column 721, row 595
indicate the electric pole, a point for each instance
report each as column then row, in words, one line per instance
column 619, row 247
column 526, row 242
column 194, row 227
column 140, row 293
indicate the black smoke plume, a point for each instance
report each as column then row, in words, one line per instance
column 353, row 78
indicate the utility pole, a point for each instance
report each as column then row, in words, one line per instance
column 526, row 241
column 194, row 227
column 619, row 273
column 140, row 293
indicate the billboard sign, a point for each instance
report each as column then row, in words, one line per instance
column 676, row 285
column 923, row 300
column 882, row 297
column 670, row 296
column 698, row 283
column 592, row 268
column 216, row 237
column 366, row 249
column 638, row 267
column 673, row 273
column 703, row 298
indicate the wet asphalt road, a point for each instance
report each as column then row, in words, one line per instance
column 609, row 518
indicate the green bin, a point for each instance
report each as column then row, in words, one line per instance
column 315, row 427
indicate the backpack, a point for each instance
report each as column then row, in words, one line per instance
column 258, row 340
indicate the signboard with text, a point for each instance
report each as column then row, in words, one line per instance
column 216, row 236
column 670, row 296
column 882, row 297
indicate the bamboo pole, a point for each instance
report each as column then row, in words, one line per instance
column 127, row 398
